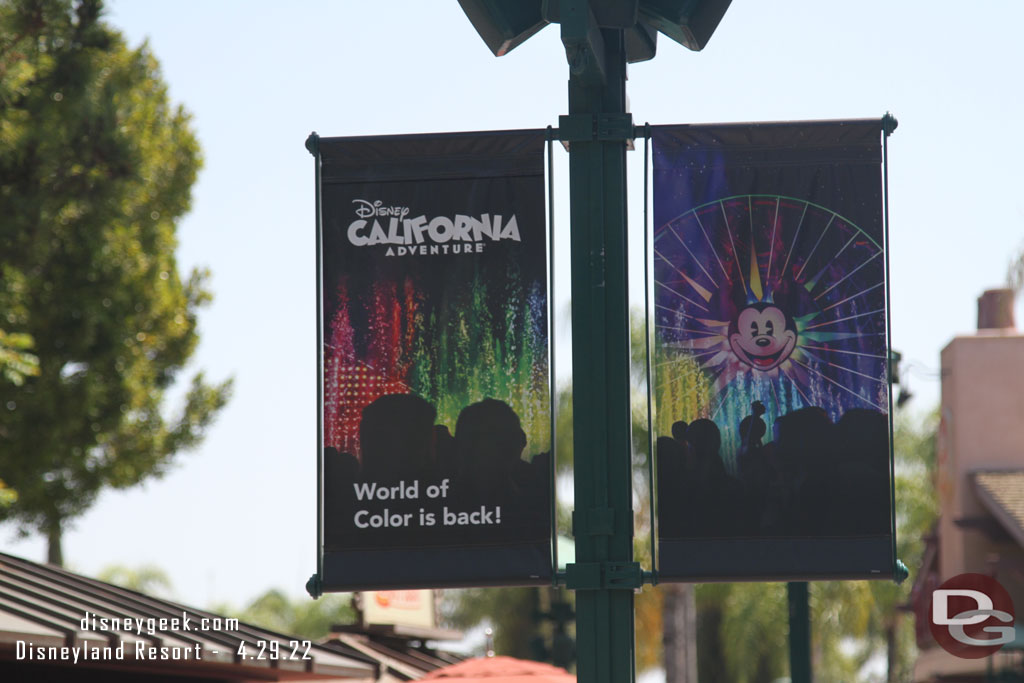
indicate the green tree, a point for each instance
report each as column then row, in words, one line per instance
column 510, row 611
column 304, row 617
column 16, row 360
column 96, row 167
column 148, row 579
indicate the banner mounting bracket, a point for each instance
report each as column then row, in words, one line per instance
column 603, row 127
column 604, row 576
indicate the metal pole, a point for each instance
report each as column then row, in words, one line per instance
column 314, row 584
column 604, row 574
column 799, row 632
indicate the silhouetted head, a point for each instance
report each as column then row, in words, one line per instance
column 396, row 435
column 679, row 431
column 489, row 430
column 807, row 433
column 339, row 466
column 704, row 436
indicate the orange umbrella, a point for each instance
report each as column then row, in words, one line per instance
column 500, row 670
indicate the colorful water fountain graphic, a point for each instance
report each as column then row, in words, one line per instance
column 767, row 298
column 454, row 342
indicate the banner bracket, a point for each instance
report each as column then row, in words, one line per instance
column 605, row 127
column 604, row 576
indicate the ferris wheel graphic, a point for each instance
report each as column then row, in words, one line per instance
column 775, row 299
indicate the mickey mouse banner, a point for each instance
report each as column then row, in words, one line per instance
column 436, row 408
column 771, row 352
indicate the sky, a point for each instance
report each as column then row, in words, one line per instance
column 237, row 516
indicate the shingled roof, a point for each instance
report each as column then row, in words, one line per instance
column 1002, row 493
column 57, row 625
column 399, row 661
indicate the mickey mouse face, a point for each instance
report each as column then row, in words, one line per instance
column 762, row 339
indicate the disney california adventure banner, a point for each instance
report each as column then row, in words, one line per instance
column 772, row 352
column 436, row 408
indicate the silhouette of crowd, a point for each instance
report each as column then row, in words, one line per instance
column 813, row 478
column 400, row 443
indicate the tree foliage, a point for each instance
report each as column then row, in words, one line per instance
column 16, row 360
column 96, row 167
column 511, row 612
column 303, row 617
column 148, row 579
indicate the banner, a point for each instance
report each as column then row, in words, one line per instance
column 436, row 402
column 771, row 352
